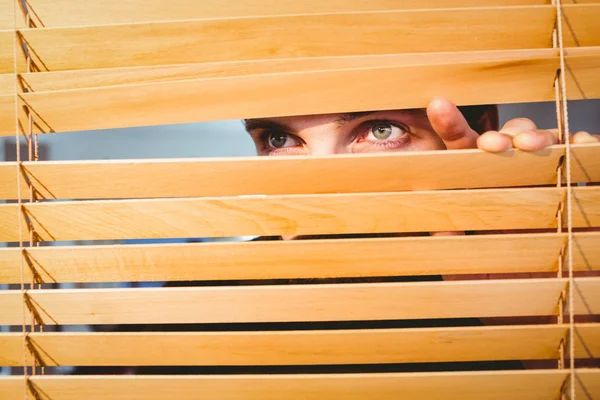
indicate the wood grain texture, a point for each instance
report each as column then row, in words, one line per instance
column 583, row 77
column 515, row 78
column 585, row 163
column 579, row 28
column 489, row 385
column 373, row 346
column 90, row 78
column 56, row 13
column 301, row 258
column 7, row 84
column 7, row 44
column 325, row 302
column 587, row 296
column 587, row 340
column 587, row 383
column 245, row 175
column 586, row 251
column 292, row 36
column 586, row 207
column 234, row 176
column 427, row 211
column 7, row 116
column 12, row 387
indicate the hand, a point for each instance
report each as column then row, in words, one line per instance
column 520, row 133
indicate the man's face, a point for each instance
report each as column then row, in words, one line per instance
column 328, row 134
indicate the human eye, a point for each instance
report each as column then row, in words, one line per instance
column 279, row 140
column 278, row 143
column 383, row 134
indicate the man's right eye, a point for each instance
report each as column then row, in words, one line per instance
column 280, row 140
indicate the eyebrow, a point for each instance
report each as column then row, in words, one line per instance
column 351, row 116
column 265, row 124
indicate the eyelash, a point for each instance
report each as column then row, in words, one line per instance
column 391, row 143
column 265, row 148
column 361, row 137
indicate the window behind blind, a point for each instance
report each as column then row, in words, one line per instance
column 67, row 65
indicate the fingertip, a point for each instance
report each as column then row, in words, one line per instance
column 494, row 142
column 517, row 125
column 534, row 140
column 584, row 138
column 439, row 107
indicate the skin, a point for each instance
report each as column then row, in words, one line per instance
column 440, row 126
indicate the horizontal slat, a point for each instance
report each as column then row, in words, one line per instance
column 587, row 296
column 587, row 384
column 246, row 175
column 377, row 346
column 484, row 209
column 7, row 117
column 585, row 163
column 587, row 340
column 518, row 77
column 301, row 258
column 580, row 27
column 586, row 251
column 293, row 36
column 332, row 302
column 489, row 385
column 586, row 207
column 7, row 85
column 12, row 387
column 7, row 55
column 91, row 78
column 55, row 13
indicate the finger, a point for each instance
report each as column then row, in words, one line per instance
column 534, row 140
column 584, row 137
column 450, row 125
column 517, row 125
column 494, row 142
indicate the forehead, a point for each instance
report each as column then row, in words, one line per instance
column 302, row 122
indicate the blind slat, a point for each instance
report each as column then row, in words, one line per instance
column 93, row 78
column 321, row 35
column 313, row 92
column 484, row 209
column 7, row 40
column 246, row 175
column 586, row 295
column 580, row 28
column 332, row 302
column 491, row 385
column 302, row 258
column 308, row 92
column 380, row 346
column 55, row 13
column 587, row 383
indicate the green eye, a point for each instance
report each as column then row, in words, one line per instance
column 381, row 131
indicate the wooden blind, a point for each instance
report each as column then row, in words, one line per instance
column 263, row 323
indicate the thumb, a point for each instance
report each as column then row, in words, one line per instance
column 450, row 125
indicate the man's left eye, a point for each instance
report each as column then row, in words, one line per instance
column 384, row 131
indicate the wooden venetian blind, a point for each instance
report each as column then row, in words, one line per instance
column 70, row 65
